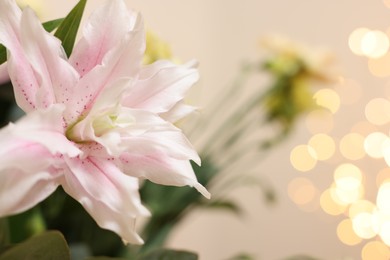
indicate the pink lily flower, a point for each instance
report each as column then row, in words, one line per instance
column 95, row 123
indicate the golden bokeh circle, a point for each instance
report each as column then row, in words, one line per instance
column 303, row 158
column 375, row 250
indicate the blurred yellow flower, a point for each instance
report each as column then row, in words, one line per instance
column 36, row 5
column 156, row 49
column 294, row 67
column 317, row 62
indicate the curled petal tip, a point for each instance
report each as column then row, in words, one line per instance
column 192, row 64
column 139, row 241
column 202, row 190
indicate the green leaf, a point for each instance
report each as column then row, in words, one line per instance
column 49, row 27
column 169, row 205
column 26, row 224
column 242, row 256
column 222, row 205
column 4, row 232
column 301, row 257
column 168, row 254
column 4, row 248
column 104, row 258
column 63, row 213
column 47, row 246
column 67, row 31
column 53, row 24
column 3, row 54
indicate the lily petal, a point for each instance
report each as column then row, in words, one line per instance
column 21, row 190
column 122, row 61
column 44, row 127
column 134, row 130
column 106, row 105
column 169, row 141
column 4, row 76
column 108, row 195
column 28, row 161
column 105, row 28
column 21, row 73
column 37, row 64
column 162, row 169
column 55, row 76
column 179, row 111
column 161, row 86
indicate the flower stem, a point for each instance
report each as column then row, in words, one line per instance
column 4, row 232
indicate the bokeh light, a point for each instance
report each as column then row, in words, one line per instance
column 355, row 40
column 362, row 225
column 387, row 90
column 364, row 128
column 386, row 3
column 348, row 176
column 348, row 184
column 377, row 111
column 352, row 146
column 328, row 98
column 324, row 146
column 346, row 234
column 303, row 158
column 361, row 206
column 374, row 44
column 384, row 232
column 380, row 67
column 378, row 219
column 345, row 195
column 374, row 143
column 375, row 250
column 301, row 191
column 370, row 43
column 382, row 200
column 330, row 206
column 386, row 150
column 382, row 177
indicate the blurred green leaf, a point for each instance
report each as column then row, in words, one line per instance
column 61, row 212
column 47, row 246
column 67, row 31
column 49, row 26
column 3, row 54
column 4, row 232
column 301, row 257
column 169, row 204
column 104, row 258
column 242, row 256
column 4, row 248
column 52, row 25
column 26, row 224
column 222, row 205
column 168, row 254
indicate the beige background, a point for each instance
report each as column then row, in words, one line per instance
column 220, row 34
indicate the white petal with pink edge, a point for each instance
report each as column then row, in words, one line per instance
column 21, row 190
column 161, row 86
column 107, row 26
column 44, row 127
column 161, row 169
column 109, row 196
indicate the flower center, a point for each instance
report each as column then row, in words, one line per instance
column 102, row 125
column 94, row 126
